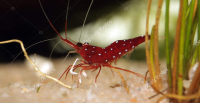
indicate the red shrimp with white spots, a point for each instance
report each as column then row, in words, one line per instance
column 96, row 57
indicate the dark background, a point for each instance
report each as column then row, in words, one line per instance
column 24, row 20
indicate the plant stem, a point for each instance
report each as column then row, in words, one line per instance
column 167, row 48
column 156, row 53
column 152, row 75
column 198, row 14
column 181, row 57
column 188, row 39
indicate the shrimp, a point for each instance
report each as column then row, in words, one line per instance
column 97, row 57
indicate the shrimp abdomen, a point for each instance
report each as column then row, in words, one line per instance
column 120, row 47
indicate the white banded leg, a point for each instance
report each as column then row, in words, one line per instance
column 73, row 73
column 72, row 68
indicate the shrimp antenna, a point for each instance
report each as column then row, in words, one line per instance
column 66, row 19
column 49, row 20
column 85, row 19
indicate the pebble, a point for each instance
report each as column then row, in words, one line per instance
column 4, row 95
column 16, row 85
column 186, row 83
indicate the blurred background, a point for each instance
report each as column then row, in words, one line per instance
column 108, row 21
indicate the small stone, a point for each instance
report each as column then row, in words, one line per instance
column 16, row 85
column 118, row 89
column 114, row 96
column 4, row 95
column 186, row 83
column 25, row 90
column 90, row 96
column 74, row 86
column 133, row 99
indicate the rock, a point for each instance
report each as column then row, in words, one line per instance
column 4, row 95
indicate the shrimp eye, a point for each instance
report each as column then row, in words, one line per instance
column 79, row 44
column 86, row 43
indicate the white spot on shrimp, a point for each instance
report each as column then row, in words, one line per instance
column 142, row 36
column 126, row 49
column 92, row 51
column 111, row 49
column 99, row 54
column 86, row 49
column 106, row 60
column 105, row 52
column 124, row 40
column 113, row 56
column 103, row 48
column 90, row 56
column 119, row 52
column 130, row 41
column 132, row 46
column 123, row 44
column 116, row 41
column 93, row 47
